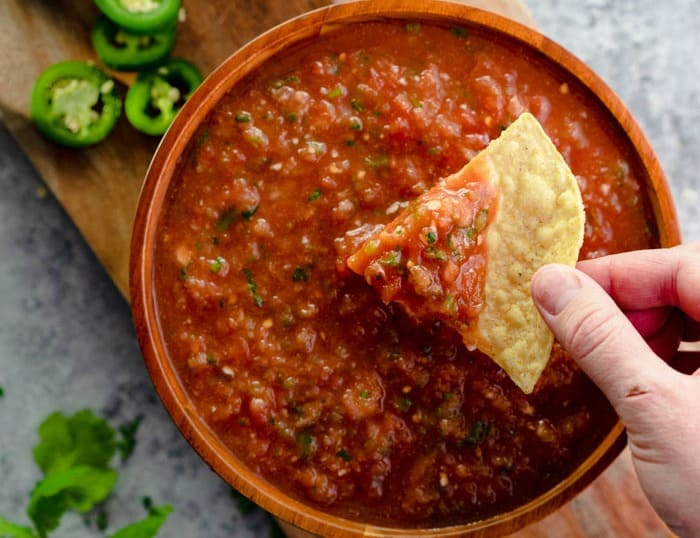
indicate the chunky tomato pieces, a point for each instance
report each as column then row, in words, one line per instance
column 292, row 359
column 431, row 258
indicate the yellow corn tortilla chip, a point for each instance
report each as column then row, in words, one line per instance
column 536, row 218
column 540, row 220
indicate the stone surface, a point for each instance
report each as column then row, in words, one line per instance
column 66, row 340
column 647, row 52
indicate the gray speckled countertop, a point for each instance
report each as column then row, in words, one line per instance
column 66, row 340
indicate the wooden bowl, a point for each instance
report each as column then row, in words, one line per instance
column 164, row 167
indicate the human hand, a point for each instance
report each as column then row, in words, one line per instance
column 621, row 318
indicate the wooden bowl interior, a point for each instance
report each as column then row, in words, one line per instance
column 164, row 168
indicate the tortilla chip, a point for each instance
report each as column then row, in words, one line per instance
column 540, row 220
column 535, row 217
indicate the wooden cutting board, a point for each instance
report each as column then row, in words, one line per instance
column 99, row 186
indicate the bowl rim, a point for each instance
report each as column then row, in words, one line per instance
column 165, row 164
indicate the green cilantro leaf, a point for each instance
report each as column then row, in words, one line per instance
column 306, row 443
column 315, row 195
column 74, row 453
column 147, row 527
column 11, row 530
column 338, row 91
column 253, row 288
column 127, row 433
column 392, row 258
column 78, row 488
column 377, row 161
column 82, row 439
column 344, row 455
column 147, row 503
column 216, row 265
column 102, row 519
column 301, row 274
column 248, row 213
column 478, row 433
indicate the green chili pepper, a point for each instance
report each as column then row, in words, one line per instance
column 123, row 50
column 157, row 95
column 141, row 16
column 75, row 104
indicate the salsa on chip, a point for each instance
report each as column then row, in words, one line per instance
column 466, row 250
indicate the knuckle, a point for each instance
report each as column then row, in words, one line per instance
column 592, row 330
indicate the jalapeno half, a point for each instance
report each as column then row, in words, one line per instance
column 75, row 104
column 157, row 95
column 122, row 50
column 141, row 16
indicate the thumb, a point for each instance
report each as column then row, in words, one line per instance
column 657, row 405
column 603, row 342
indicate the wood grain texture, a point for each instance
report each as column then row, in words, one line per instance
column 99, row 186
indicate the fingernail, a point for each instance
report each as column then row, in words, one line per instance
column 554, row 286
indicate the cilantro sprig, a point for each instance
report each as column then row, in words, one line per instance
column 74, row 454
column 127, row 442
column 147, row 527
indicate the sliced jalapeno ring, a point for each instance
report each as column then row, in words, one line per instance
column 141, row 16
column 75, row 104
column 122, row 50
column 157, row 95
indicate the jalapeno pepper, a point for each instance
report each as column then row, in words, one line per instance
column 157, row 95
column 75, row 104
column 122, row 50
column 141, row 16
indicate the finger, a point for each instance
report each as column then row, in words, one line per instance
column 599, row 337
column 650, row 321
column 660, row 327
column 651, row 278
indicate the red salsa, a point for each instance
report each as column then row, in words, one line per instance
column 431, row 259
column 293, row 360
